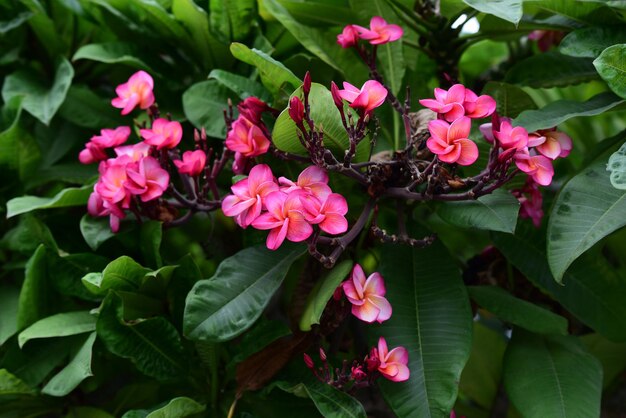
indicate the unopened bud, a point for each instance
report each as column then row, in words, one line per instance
column 322, row 354
column 308, row 361
column 506, row 155
column 338, row 293
column 296, row 110
column 306, row 85
column 334, row 91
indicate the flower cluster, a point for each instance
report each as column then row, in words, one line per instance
column 380, row 32
column 286, row 208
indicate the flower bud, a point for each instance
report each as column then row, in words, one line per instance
column 308, row 361
column 322, row 354
column 334, row 91
column 296, row 110
column 306, row 86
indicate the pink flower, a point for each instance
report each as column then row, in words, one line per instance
column 296, row 110
column 531, row 201
column 136, row 91
column 133, row 152
column 110, row 186
column 369, row 97
column 367, row 296
column 453, row 415
column 164, row 134
column 284, row 218
column 110, row 138
column 510, row 137
column 192, row 163
column 380, row 32
column 393, row 364
column 553, row 144
column 98, row 207
column 251, row 108
column 450, row 141
column 328, row 213
column 460, row 101
column 147, row 179
column 91, row 154
column 546, row 38
column 247, row 138
column 312, row 179
column 537, row 166
column 357, row 373
column 349, row 36
column 246, row 202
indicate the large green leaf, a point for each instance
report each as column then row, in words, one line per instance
column 180, row 407
column 587, row 209
column 78, row 369
column 123, row 273
column 72, row 196
column 617, row 168
column 559, row 111
column 150, row 236
column 591, row 41
column 510, row 10
column 274, row 75
column 227, row 304
column 35, row 297
column 518, row 311
column 333, row 403
column 495, row 212
column 85, row 108
column 153, row 345
column 242, row 87
column 552, row 377
column 116, row 53
column 59, row 325
column 551, row 69
column 12, row 385
column 611, row 355
column 40, row 100
column 9, row 302
column 511, row 100
column 593, row 291
column 95, row 231
column 433, row 320
column 231, row 20
column 611, row 65
column 204, row 104
column 321, row 294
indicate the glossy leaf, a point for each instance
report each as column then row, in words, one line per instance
column 495, row 212
column 611, row 355
column 511, row 100
column 551, row 69
column 176, row 408
column 72, row 196
column 518, row 311
column 552, row 377
column 587, row 209
column 227, row 304
column 617, row 168
column 333, row 403
column 231, row 20
column 59, row 325
column 153, row 345
column 12, row 385
column 95, row 231
column 611, row 66
column 591, row 41
column 510, row 10
column 560, row 111
column 195, row 19
column 115, row 53
column 78, row 369
column 123, row 273
column 204, row 104
column 321, row 294
column 242, row 87
column 85, row 108
column 432, row 319
column 150, row 235
column 34, row 302
column 9, row 302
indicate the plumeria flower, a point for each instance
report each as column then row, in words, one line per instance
column 147, row 179
column 163, row 134
column 328, row 214
column 96, row 206
column 110, row 138
column 136, row 91
column 110, row 186
column 134, row 152
column 450, row 141
column 531, row 201
column 348, row 37
column 537, row 166
column 252, row 108
column 509, row 137
column 368, row 98
column 313, row 180
column 91, row 154
column 460, row 101
column 246, row 138
column 380, row 32
column 192, row 163
column 246, row 202
column 367, row 296
column 393, row 364
column 552, row 144
column 284, row 219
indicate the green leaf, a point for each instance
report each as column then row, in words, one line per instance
column 35, row 297
column 433, row 320
column 551, row 69
column 617, row 168
column 552, row 377
column 593, row 291
column 87, row 412
column 115, row 53
column 9, row 302
column 587, row 209
column 321, row 294
column 196, row 21
column 86, row 109
column 231, row 20
column 123, row 273
column 242, row 87
column 68, row 270
column 495, row 212
column 59, row 325
column 153, row 345
column 12, row 385
column 78, row 369
column 332, row 403
column 510, row 10
column 150, row 235
column 176, row 408
column 589, row 42
column 611, row 355
column 27, row 235
column 274, row 75
column 560, row 111
column 611, row 65
column 204, row 104
column 40, row 100
column 325, row 115
column 72, row 196
column 518, row 311
column 227, row 304
column 95, row 231
column 511, row 100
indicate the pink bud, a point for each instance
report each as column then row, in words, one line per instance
column 296, row 110
column 306, row 85
column 334, row 91
column 308, row 361
column 322, row 354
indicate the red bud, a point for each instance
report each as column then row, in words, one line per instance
column 296, row 110
column 306, row 86
column 334, row 91
column 308, row 361
column 322, row 354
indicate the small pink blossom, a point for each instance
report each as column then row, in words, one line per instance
column 192, row 163
column 147, row 179
column 163, row 134
column 367, row 296
column 348, row 37
column 110, row 138
column 133, row 152
column 252, row 108
column 96, row 206
column 450, row 141
column 380, row 32
column 459, row 101
column 393, row 364
column 284, row 219
column 111, row 184
column 510, row 137
column 136, row 91
column 552, row 144
column 312, row 179
column 368, row 98
column 247, row 138
column 246, row 202
column 537, row 166
column 357, row 373
column 531, row 201
column 329, row 214
column 91, row 154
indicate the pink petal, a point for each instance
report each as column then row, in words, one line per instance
column 469, row 152
column 456, row 94
column 233, row 206
column 383, row 306
column 452, row 155
column 377, row 23
column 485, row 106
column 334, row 224
column 351, row 293
column 358, row 276
column 550, row 148
column 336, row 203
column 299, row 228
column 276, row 236
column 403, row 373
column 367, row 312
column 312, row 174
column 395, row 32
column 375, row 285
column 259, row 174
column 274, row 203
column 267, row 221
column 382, row 348
column 439, row 130
column 433, row 105
column 398, row 355
column 456, row 111
column 460, row 128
